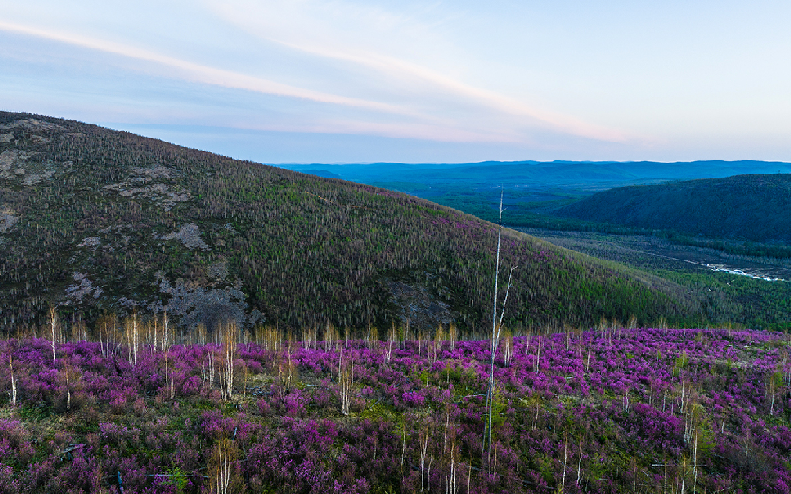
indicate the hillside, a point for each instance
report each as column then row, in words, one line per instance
column 744, row 207
column 95, row 220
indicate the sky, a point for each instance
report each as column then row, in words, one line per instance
column 337, row 81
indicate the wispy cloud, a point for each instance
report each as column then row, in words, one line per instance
column 391, row 92
column 313, row 36
column 411, row 130
column 412, row 122
column 484, row 97
column 202, row 73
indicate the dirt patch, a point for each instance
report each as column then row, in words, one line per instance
column 6, row 138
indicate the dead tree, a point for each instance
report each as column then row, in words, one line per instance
column 13, row 382
column 223, row 462
column 495, row 338
column 229, row 339
column 345, row 379
column 53, row 324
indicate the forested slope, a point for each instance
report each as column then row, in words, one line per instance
column 745, row 207
column 95, row 220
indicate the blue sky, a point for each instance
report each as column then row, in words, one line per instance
column 370, row 81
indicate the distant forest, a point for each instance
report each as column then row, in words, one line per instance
column 743, row 207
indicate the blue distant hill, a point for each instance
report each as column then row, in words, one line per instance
column 580, row 175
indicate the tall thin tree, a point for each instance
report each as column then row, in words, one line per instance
column 495, row 338
column 53, row 324
column 13, row 382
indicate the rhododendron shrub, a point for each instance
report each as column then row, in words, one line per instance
column 644, row 410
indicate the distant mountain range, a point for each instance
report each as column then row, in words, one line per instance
column 742, row 207
column 582, row 175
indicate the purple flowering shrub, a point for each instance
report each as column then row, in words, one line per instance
column 645, row 410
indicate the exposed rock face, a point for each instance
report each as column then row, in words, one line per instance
column 218, row 270
column 11, row 161
column 34, row 178
column 7, row 220
column 417, row 305
column 32, row 124
column 189, row 235
column 142, row 186
column 90, row 242
column 208, row 306
column 16, row 164
column 81, row 289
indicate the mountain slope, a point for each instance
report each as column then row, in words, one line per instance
column 745, row 207
column 96, row 220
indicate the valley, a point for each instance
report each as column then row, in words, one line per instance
column 652, row 252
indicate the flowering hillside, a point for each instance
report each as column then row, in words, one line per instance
column 614, row 410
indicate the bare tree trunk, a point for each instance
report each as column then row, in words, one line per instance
column 211, row 369
column 345, row 390
column 156, row 320
column 222, row 462
column 496, row 328
column 68, row 390
column 165, row 335
column 492, row 342
column 229, row 343
column 134, row 336
column 565, row 460
column 101, row 342
column 53, row 322
column 13, row 382
column 403, row 448
column 424, row 447
column 695, row 463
